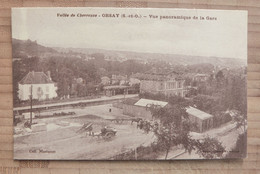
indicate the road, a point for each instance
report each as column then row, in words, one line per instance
column 227, row 134
column 64, row 143
column 67, row 144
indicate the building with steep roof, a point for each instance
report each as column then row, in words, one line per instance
column 37, row 84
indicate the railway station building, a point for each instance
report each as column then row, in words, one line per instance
column 162, row 81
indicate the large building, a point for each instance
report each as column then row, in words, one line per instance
column 37, row 84
column 201, row 120
column 201, row 77
column 140, row 108
column 168, row 83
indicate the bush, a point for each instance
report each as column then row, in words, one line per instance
column 221, row 119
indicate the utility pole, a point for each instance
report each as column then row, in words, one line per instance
column 135, row 153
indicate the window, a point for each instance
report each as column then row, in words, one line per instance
column 47, row 96
column 179, row 85
column 39, row 89
column 39, row 93
column 47, row 88
column 173, row 85
column 170, row 85
column 161, row 86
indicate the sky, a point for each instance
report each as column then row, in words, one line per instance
column 224, row 37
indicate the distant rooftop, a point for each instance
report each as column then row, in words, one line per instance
column 105, row 77
column 147, row 103
column 198, row 113
column 116, row 87
column 119, row 77
column 36, row 78
column 157, row 74
column 161, row 71
column 202, row 75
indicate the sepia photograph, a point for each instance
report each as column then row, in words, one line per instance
column 129, row 83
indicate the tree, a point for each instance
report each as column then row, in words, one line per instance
column 209, row 148
column 175, row 127
column 205, row 102
column 241, row 121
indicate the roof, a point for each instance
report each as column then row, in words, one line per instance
column 147, row 103
column 36, row 78
column 198, row 113
column 201, row 75
column 119, row 77
column 130, row 101
column 105, row 77
column 161, row 71
column 158, row 75
column 116, row 87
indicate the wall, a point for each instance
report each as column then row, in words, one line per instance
column 250, row 165
column 24, row 91
column 150, row 86
column 137, row 111
column 200, row 123
column 162, row 87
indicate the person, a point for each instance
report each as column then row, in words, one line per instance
column 156, row 127
column 140, row 124
column 146, row 127
column 90, row 130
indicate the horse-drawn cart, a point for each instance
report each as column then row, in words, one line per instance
column 106, row 132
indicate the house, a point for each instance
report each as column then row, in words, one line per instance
column 134, row 81
column 201, row 77
column 37, row 84
column 119, row 80
column 167, row 83
column 115, row 90
column 202, row 120
column 140, row 108
column 105, row 80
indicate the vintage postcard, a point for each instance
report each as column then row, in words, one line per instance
column 129, row 83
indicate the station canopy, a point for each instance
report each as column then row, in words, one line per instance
column 148, row 103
